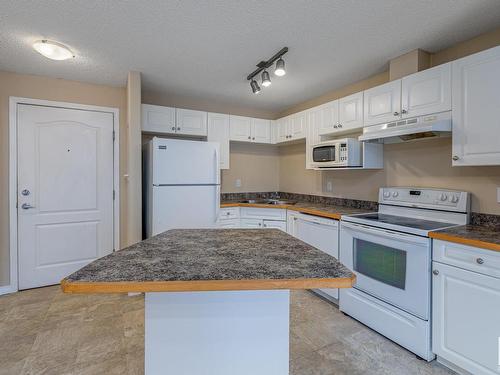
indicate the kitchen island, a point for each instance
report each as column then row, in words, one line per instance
column 232, row 316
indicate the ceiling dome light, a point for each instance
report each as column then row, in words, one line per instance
column 266, row 80
column 280, row 68
column 53, row 50
column 255, row 86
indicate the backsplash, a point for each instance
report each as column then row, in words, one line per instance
column 487, row 220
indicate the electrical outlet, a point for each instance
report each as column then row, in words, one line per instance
column 237, row 183
column 329, row 186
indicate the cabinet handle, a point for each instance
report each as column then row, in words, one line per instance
column 178, row 128
column 335, row 126
column 173, row 127
column 265, row 225
column 260, row 224
column 340, row 125
column 253, row 138
column 435, row 272
column 396, row 113
column 404, row 111
column 249, row 137
column 455, row 158
column 479, row 260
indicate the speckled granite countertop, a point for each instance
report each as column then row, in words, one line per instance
column 318, row 209
column 212, row 259
column 485, row 237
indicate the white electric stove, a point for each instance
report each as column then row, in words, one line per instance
column 390, row 252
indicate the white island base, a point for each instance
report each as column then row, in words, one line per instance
column 217, row 333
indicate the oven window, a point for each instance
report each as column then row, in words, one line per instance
column 382, row 263
column 324, row 153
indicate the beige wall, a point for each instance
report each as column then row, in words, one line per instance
column 256, row 165
column 423, row 163
column 58, row 90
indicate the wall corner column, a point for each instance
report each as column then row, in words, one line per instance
column 134, row 159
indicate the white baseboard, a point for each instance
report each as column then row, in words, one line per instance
column 7, row 289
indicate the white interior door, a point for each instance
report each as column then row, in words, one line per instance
column 65, row 191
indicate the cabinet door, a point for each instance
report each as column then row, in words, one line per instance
column 466, row 327
column 351, row 112
column 240, row 128
column 261, row 130
column 426, row 92
column 191, row 122
column 274, row 224
column 283, row 129
column 329, row 120
column 157, row 119
column 218, row 131
column 312, row 124
column 382, row 103
column 476, row 109
column 298, row 126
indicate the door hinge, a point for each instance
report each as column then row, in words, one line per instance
column 114, row 135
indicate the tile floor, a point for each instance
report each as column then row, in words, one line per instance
column 43, row 331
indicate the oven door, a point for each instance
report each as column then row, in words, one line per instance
column 389, row 265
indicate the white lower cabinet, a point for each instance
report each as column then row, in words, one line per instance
column 276, row 224
column 250, row 217
column 466, row 306
column 322, row 233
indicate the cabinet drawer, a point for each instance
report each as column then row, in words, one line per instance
column 274, row 224
column 467, row 257
column 228, row 223
column 229, row 213
column 251, row 223
column 263, row 213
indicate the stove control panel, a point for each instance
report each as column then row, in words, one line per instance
column 439, row 199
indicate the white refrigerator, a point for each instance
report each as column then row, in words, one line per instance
column 181, row 184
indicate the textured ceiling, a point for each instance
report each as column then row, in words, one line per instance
column 205, row 49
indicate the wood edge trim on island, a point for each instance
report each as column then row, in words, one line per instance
column 203, row 285
column 311, row 211
column 464, row 241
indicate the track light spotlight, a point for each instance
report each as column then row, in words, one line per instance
column 280, row 68
column 255, row 86
column 266, row 80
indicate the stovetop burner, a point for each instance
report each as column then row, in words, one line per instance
column 409, row 222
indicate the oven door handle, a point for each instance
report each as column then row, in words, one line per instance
column 413, row 238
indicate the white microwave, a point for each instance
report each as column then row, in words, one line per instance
column 336, row 153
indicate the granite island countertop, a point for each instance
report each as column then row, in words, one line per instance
column 212, row 259
column 482, row 236
column 318, row 209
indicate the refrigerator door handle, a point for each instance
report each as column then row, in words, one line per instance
column 217, row 203
column 217, row 166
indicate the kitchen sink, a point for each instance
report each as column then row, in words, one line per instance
column 268, row 201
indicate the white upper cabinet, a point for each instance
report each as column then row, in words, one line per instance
column 328, row 117
column 312, row 124
column 241, row 128
column 218, row 131
column 158, row 119
column 426, row 92
column 247, row 129
column 261, row 130
column 351, row 112
column 191, row 122
column 382, row 103
column 282, row 125
column 476, row 109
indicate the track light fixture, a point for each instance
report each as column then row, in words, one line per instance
column 263, row 66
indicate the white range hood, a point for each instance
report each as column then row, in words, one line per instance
column 424, row 127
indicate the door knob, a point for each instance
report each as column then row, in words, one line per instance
column 25, row 192
column 27, row 206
